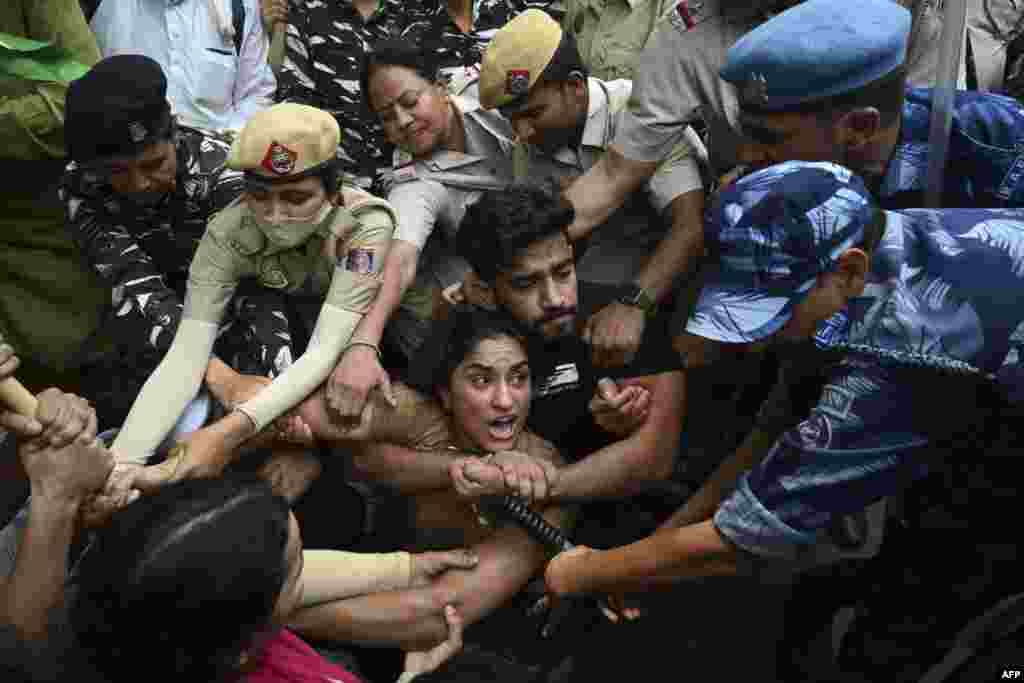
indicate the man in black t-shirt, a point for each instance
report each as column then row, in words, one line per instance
column 618, row 428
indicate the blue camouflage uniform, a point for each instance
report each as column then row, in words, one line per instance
column 822, row 49
column 985, row 164
column 945, row 284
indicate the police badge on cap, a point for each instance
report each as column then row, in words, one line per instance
column 279, row 159
column 517, row 82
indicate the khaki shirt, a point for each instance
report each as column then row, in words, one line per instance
column 234, row 248
column 612, row 33
column 678, row 80
column 607, row 100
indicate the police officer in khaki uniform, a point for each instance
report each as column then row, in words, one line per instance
column 49, row 302
column 612, row 33
column 677, row 83
column 292, row 230
column 564, row 121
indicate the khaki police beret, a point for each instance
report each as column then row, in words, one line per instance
column 517, row 56
column 285, row 140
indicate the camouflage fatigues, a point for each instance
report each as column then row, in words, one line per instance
column 325, row 47
column 143, row 254
column 459, row 53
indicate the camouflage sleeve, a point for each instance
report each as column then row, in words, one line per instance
column 296, row 82
column 146, row 310
column 259, row 340
column 227, row 187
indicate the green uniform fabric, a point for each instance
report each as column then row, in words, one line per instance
column 49, row 301
column 612, row 33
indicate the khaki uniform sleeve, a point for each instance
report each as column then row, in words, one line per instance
column 349, row 297
column 681, row 172
column 32, row 113
column 664, row 98
column 360, row 258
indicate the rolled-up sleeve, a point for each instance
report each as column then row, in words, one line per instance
column 853, row 450
column 680, row 173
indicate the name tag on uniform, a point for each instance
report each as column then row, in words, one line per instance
column 565, row 378
column 358, row 260
column 404, row 174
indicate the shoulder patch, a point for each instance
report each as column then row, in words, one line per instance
column 685, row 14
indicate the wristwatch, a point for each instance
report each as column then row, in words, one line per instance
column 638, row 297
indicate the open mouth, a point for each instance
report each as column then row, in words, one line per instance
column 503, row 428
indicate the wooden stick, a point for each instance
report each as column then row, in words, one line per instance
column 17, row 398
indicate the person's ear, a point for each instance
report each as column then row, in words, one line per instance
column 480, row 292
column 446, row 399
column 578, row 82
column 854, row 265
column 857, row 127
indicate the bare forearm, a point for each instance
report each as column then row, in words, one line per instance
column 408, row 470
column 665, row 557
column 596, row 195
column 414, row 619
column 40, row 572
column 681, row 248
column 630, row 465
column 702, row 505
column 621, row 469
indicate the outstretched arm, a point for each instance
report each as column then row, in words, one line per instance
column 414, row 619
column 666, row 556
column 597, row 194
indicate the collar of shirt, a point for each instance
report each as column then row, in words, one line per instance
column 597, row 131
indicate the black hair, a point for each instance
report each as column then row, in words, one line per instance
column 463, row 331
column 330, row 174
column 566, row 63
column 505, row 222
column 885, row 94
column 187, row 577
column 395, row 51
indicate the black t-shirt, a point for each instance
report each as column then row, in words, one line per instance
column 564, row 379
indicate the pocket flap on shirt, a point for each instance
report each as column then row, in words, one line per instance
column 446, row 161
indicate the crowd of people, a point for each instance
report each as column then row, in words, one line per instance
column 331, row 289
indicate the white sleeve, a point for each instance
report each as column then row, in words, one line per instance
column 333, row 329
column 167, row 392
column 353, row 290
column 213, row 278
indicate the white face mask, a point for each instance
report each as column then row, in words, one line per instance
column 291, row 233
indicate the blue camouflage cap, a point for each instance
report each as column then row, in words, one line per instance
column 817, row 49
column 773, row 233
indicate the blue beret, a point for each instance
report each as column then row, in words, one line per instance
column 817, row 49
column 775, row 231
